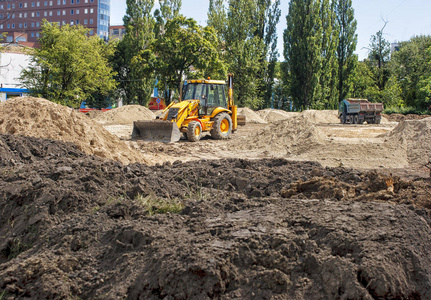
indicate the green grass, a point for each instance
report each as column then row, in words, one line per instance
column 154, row 205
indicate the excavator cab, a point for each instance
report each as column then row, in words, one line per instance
column 204, row 108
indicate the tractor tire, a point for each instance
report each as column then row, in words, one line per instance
column 194, row 131
column 222, row 127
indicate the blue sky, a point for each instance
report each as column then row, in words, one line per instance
column 406, row 18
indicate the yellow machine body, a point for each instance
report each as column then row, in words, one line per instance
column 204, row 108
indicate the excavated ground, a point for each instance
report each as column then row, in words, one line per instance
column 77, row 227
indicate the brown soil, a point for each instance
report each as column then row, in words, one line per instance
column 288, row 210
column 41, row 118
column 124, row 115
column 399, row 117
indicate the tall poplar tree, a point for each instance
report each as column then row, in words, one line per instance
column 302, row 51
column 134, row 59
column 347, row 40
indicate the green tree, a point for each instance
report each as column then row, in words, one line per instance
column 302, row 51
column 411, row 66
column 168, row 10
column 347, row 40
column 69, row 66
column 327, row 95
column 378, row 58
column 134, row 58
column 183, row 46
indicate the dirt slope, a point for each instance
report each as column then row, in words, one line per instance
column 77, row 228
column 41, row 118
column 124, row 115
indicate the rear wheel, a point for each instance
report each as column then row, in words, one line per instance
column 377, row 121
column 194, row 131
column 355, row 119
column 343, row 119
column 222, row 127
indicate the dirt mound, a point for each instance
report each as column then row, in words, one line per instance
column 274, row 115
column 400, row 117
column 83, row 227
column 416, row 135
column 124, row 115
column 291, row 136
column 16, row 150
column 41, row 118
column 251, row 116
column 321, row 116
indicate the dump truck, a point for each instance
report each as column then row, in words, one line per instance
column 203, row 108
column 358, row 111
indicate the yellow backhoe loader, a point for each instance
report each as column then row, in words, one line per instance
column 203, row 109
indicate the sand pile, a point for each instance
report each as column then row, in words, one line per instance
column 321, row 116
column 251, row 116
column 292, row 136
column 273, row 115
column 416, row 134
column 41, row 118
column 124, row 115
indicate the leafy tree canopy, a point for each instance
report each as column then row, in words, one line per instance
column 69, row 66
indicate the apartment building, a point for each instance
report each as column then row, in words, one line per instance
column 21, row 20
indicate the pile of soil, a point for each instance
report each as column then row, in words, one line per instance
column 291, row 136
column 415, row 135
column 37, row 117
column 321, row 116
column 124, row 115
column 273, row 115
column 400, row 118
column 251, row 116
column 77, row 227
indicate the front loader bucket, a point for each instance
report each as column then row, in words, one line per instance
column 156, row 130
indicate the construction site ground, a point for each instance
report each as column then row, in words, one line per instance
column 293, row 206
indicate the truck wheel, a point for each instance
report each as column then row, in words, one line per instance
column 355, row 119
column 194, row 131
column 343, row 119
column 377, row 121
column 222, row 127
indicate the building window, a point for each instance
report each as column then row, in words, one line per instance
column 64, row 2
column 58, row 2
column 50, row 13
column 25, row 15
column 86, row 11
column 64, row 22
column 13, row 16
column 45, row 13
column 91, row 21
column 71, row 1
column 71, row 12
column 32, row 24
column 64, row 12
column 9, row 39
column 1, row 26
column 71, row 22
column 13, row 6
column 20, row 5
column 8, row 6
column 8, row 25
column 13, row 25
column 25, row 5
column 37, row 34
column 37, row 24
column 77, row 11
column 20, row 15
column 32, row 4
column 37, row 3
column 91, row 10
column 1, row 6
column 50, row 3
column 116, row 31
column 25, row 25
column 45, row 3
column 77, row 1
column 77, row 22
column 32, row 34
column 20, row 25
column 37, row 14
column 91, row 32
column 85, row 21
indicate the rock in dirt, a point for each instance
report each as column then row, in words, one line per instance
column 79, row 227
column 37, row 117
column 124, row 115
